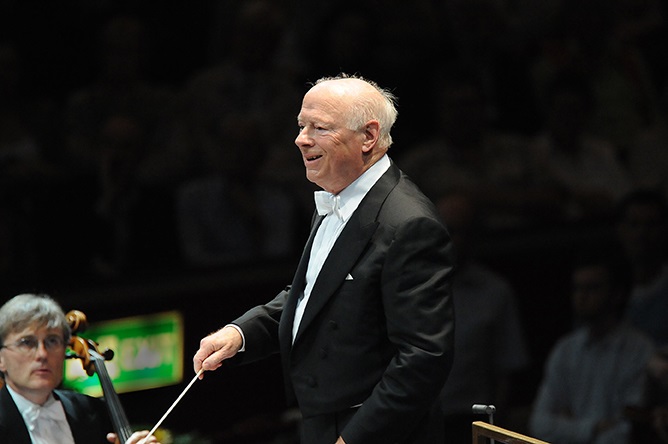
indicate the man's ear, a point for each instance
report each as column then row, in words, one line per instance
column 371, row 135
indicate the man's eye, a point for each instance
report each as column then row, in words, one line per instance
column 53, row 341
column 28, row 342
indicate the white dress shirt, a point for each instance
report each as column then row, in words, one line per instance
column 47, row 424
column 332, row 226
column 591, row 380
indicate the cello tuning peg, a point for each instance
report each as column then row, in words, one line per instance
column 108, row 355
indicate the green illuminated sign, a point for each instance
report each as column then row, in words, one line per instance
column 148, row 353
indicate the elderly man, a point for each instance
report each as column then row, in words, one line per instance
column 33, row 336
column 365, row 330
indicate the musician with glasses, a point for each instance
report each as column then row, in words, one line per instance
column 33, row 337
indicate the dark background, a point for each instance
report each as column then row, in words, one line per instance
column 53, row 233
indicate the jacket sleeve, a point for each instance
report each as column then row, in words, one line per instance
column 260, row 329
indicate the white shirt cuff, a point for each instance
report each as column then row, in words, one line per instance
column 243, row 338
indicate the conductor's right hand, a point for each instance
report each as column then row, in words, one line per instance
column 217, row 347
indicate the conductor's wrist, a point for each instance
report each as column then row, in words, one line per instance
column 241, row 333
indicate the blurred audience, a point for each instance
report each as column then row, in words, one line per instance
column 596, row 39
column 119, row 199
column 247, row 82
column 650, row 420
column 648, row 155
column 28, row 175
column 470, row 135
column 642, row 228
column 231, row 215
column 490, row 346
column 21, row 132
column 117, row 143
column 239, row 201
column 464, row 153
column 598, row 370
column 581, row 172
column 120, row 87
column 494, row 41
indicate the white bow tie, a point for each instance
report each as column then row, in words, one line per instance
column 51, row 410
column 327, row 203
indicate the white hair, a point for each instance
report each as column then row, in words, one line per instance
column 381, row 107
column 25, row 310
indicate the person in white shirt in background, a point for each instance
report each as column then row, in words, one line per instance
column 597, row 371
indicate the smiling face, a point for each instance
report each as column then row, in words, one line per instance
column 32, row 375
column 334, row 154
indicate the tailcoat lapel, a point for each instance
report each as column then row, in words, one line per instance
column 347, row 249
column 12, row 427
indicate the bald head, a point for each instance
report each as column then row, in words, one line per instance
column 347, row 86
column 363, row 100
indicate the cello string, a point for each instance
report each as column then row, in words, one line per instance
column 155, row 427
column 116, row 411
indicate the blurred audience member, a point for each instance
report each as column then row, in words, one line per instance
column 494, row 41
column 119, row 143
column 657, row 393
column 596, row 371
column 27, row 174
column 21, row 157
column 642, row 228
column 240, row 200
column 120, row 88
column 650, row 421
column 465, row 153
column 230, row 215
column 595, row 38
column 489, row 341
column 648, row 155
column 583, row 172
column 248, row 82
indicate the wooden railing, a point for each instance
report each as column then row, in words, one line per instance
column 483, row 431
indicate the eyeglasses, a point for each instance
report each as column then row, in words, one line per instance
column 29, row 344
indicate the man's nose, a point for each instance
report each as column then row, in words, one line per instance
column 303, row 138
column 41, row 349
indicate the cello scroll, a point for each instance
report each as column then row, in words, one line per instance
column 93, row 361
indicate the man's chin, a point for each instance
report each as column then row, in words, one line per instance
column 44, row 383
column 313, row 178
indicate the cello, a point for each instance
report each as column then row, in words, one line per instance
column 93, row 361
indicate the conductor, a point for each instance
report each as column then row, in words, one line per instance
column 365, row 330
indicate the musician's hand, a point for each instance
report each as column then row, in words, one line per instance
column 136, row 438
column 217, row 347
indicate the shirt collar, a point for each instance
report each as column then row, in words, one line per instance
column 352, row 195
column 25, row 406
